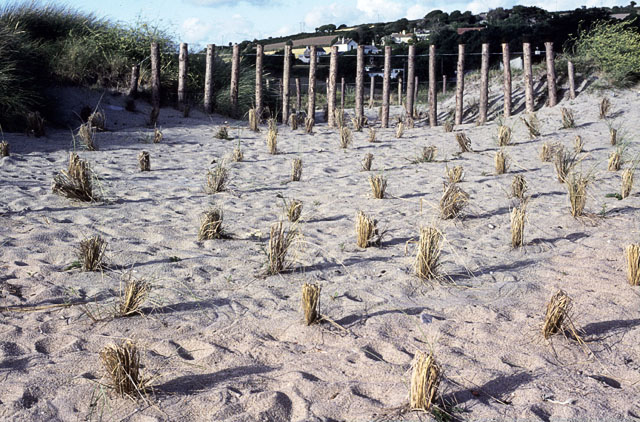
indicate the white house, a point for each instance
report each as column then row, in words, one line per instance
column 306, row 56
column 422, row 34
column 403, row 37
column 345, row 44
column 371, row 49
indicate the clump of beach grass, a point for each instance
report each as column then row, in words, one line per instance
column 366, row 161
column 564, row 163
column 308, row 125
column 211, row 225
column 253, row 120
column 157, row 135
column 281, row 240
column 223, row 133
column 578, row 144
column 518, row 187
column 87, row 134
column 311, row 302
column 217, row 179
column 501, row 163
column 627, row 181
column 577, row 184
column 272, row 140
column 372, row 135
column 97, row 120
column 632, row 255
column 427, row 262
column 425, row 380
column 122, row 364
column 378, row 185
column 35, row 124
column 613, row 135
column 615, row 160
column 144, row 160
column 346, row 137
column 532, row 125
column 4, row 149
column 504, row 136
column 400, row 130
column 367, row 233
column 427, row 156
column 463, row 141
column 455, row 174
column 557, row 314
column 296, row 169
column 546, row 152
column 518, row 216
column 359, row 122
column 91, row 253
column 453, row 200
column 237, row 155
column 448, row 126
column 605, row 107
column 568, row 121
column 293, row 122
column 76, row 181
column 293, row 209
column 135, row 293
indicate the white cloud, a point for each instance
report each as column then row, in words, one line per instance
column 335, row 13
column 194, row 30
column 215, row 3
column 382, row 10
column 417, row 11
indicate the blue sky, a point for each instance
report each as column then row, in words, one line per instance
column 223, row 21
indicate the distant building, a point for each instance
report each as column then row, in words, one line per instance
column 345, row 44
column 422, row 34
column 401, row 38
column 371, row 49
column 299, row 46
column 305, row 57
column 463, row 30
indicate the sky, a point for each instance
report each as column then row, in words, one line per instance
column 220, row 22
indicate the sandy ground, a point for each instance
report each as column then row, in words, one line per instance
column 224, row 342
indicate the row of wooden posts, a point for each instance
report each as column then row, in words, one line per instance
column 411, row 88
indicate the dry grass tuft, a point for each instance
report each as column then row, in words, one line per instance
column 378, row 185
column 425, row 380
column 568, row 121
column 157, row 135
column 372, row 135
column 35, row 124
column 346, row 137
column 454, row 175
column 577, row 184
column 533, row 125
column 75, row 182
column 504, row 136
column 358, row 123
column 367, row 233
column 518, row 216
column 632, row 255
column 453, row 201
column 501, row 161
column 87, row 134
column 293, row 209
column 448, row 126
column 311, row 302
column 564, row 163
column 223, row 133
column 558, row 310
column 518, row 187
column 280, row 241
column 366, row 161
column 144, row 160
column 308, row 124
column 578, row 144
column 605, row 107
column 627, row 182
column 253, row 120
column 217, row 179
column 338, row 115
column 91, row 253
column 615, row 160
column 613, row 135
column 4, row 149
column 463, row 141
column 296, row 169
column 427, row 261
column 427, row 156
column 135, row 294
column 97, row 120
column 272, row 140
column 211, row 225
column 293, row 122
column 400, row 130
column 238, row 154
column 122, row 363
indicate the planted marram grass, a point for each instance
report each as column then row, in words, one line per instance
column 359, row 122
column 518, row 187
column 87, row 134
column 346, row 137
column 546, row 152
column 97, row 120
column 372, row 135
column 122, row 364
column 253, row 120
column 568, row 121
column 453, row 200
column 35, row 124
column 367, row 233
column 223, row 133
column 134, row 295
column 378, row 185
column 577, row 184
column 615, row 160
column 448, row 126
column 427, row 156
column 627, row 181
column 237, row 155
column 366, row 161
column 613, row 135
column 144, row 161
column 427, row 262
column 632, row 256
column 425, row 380
column 91, row 253
column 532, row 125
column 217, row 179
column 500, row 161
column 76, row 182
column 464, row 142
column 400, row 130
column 578, row 144
column 557, row 313
column 311, row 302
column 281, row 240
column 308, row 124
column 293, row 122
column 211, row 225
column 272, row 140
column 293, row 209
column 605, row 107
column 455, row 174
column 564, row 163
column 504, row 136
column 296, row 169
column 518, row 216
column 157, row 135
column 4, row 149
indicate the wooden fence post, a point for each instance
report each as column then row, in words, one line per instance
column 528, row 78
column 331, row 91
column 551, row 74
column 360, row 83
column 433, row 98
column 386, row 82
column 372, row 91
column 183, row 64
column 286, row 71
column 259, row 51
column 506, row 77
column 411, row 76
column 298, row 96
column 484, row 85
column 155, row 83
column 235, row 72
column 135, row 77
column 342, row 93
column 208, row 79
column 311, row 92
column 572, row 80
column 460, row 85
